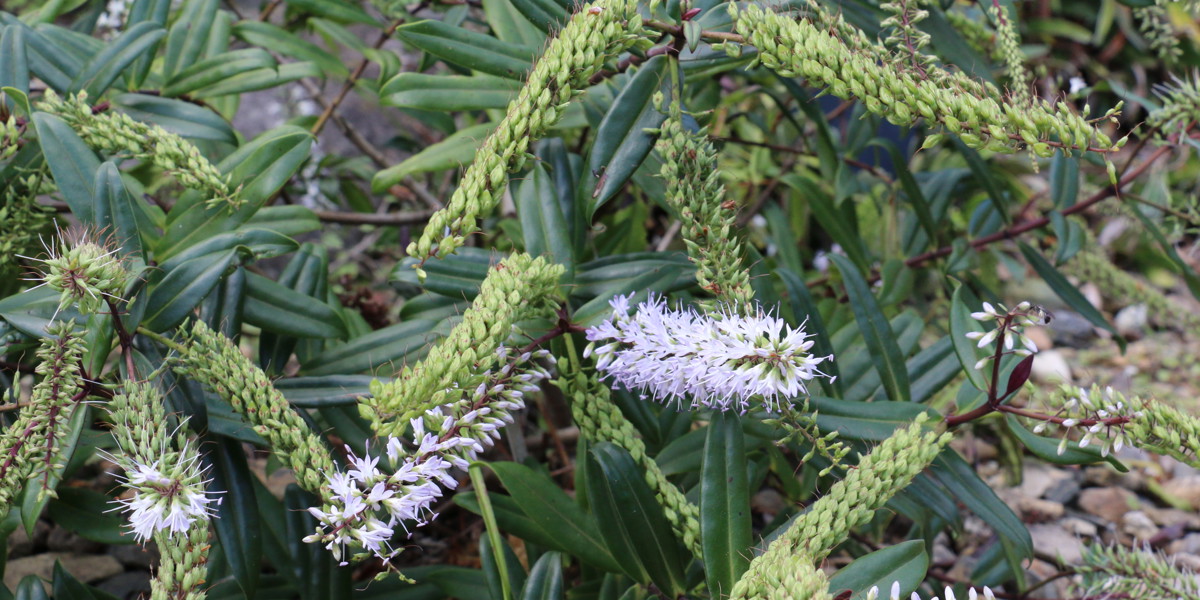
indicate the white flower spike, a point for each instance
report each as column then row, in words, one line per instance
column 718, row 361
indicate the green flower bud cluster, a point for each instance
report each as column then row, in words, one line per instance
column 1164, row 429
column 1180, row 106
column 10, row 135
column 144, row 434
column 1008, row 42
column 977, row 36
column 1119, row 572
column 694, row 190
column 86, row 273
column 1094, row 267
column 600, row 420
column 800, row 425
column 800, row 580
column 905, row 38
column 182, row 567
column 30, row 446
column 518, row 288
column 24, row 221
column 214, row 360
column 850, row 503
column 951, row 100
column 597, row 32
column 111, row 132
column 1154, row 23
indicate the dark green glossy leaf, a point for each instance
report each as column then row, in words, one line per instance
column 114, row 210
column 89, row 514
column 468, row 49
column 872, row 421
column 71, row 162
column 558, row 518
column 542, row 221
column 329, row 390
column 14, row 69
column 267, row 35
column 236, row 523
column 547, row 15
column 510, row 25
column 448, row 92
column 452, row 152
column 217, row 69
column 336, row 10
column 656, row 281
column 905, row 562
column 30, row 588
column 387, row 347
column 545, row 579
column 961, row 323
column 189, row 35
column 177, row 116
column 876, row 332
column 964, row 483
column 67, row 587
column 182, row 289
column 260, row 79
column 631, row 520
column 838, row 221
column 105, row 67
column 724, row 504
column 622, row 142
column 280, row 309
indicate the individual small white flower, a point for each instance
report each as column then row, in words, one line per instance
column 719, row 361
column 972, row 594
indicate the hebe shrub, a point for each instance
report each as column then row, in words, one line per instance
column 621, row 267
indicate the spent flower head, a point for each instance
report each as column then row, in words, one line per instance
column 894, row 594
column 721, row 360
column 85, row 270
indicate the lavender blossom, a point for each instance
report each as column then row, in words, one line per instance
column 718, row 361
column 166, row 497
column 367, row 505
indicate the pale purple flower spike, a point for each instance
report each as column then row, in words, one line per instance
column 719, row 361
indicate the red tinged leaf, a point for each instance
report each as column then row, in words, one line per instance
column 1019, row 375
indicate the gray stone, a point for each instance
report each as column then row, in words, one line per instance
column 133, row 555
column 1063, row 492
column 21, row 544
column 1055, row 540
column 1139, row 525
column 1050, row 366
column 1185, row 488
column 1109, row 503
column 1132, row 321
column 61, row 540
column 1070, row 329
column 130, row 585
column 1079, row 527
column 86, row 568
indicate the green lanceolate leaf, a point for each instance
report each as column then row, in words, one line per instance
column 72, row 163
column 106, row 66
column 631, row 520
column 114, row 210
column 236, row 523
column 468, row 49
column 876, row 332
column 542, row 221
column 905, row 562
column 1047, row 449
column 622, row 142
column 182, row 289
column 545, row 579
column 280, row 309
column 724, row 504
column 448, row 92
